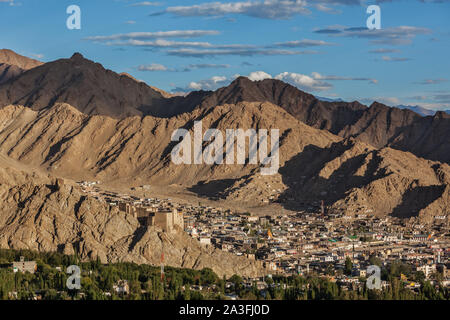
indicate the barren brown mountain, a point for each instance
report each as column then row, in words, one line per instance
column 82, row 83
column 314, row 164
column 356, row 178
column 353, row 178
column 135, row 149
column 10, row 57
column 378, row 125
column 93, row 90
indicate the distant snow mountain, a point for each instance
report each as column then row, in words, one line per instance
column 329, row 99
column 418, row 109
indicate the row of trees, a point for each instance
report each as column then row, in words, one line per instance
column 97, row 281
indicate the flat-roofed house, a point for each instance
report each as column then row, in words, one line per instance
column 24, row 266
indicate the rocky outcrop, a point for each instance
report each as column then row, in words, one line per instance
column 10, row 57
column 356, row 178
column 72, row 144
column 45, row 215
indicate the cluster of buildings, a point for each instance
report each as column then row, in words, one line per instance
column 302, row 242
column 149, row 215
column 313, row 242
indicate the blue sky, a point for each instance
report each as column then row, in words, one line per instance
column 321, row 46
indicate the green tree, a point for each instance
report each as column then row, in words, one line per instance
column 348, row 266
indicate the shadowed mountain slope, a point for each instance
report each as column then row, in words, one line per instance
column 353, row 178
column 90, row 88
column 314, row 164
column 71, row 143
column 378, row 125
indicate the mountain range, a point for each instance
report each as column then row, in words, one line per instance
column 13, row 65
column 93, row 90
column 42, row 213
column 72, row 118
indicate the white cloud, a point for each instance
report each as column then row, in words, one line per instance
column 267, row 9
column 152, row 67
column 400, row 35
column 185, row 52
column 202, row 49
column 11, row 2
column 259, row 75
column 324, row 8
column 394, row 59
column 303, row 81
column 187, row 68
column 315, row 82
column 155, row 35
column 209, row 84
column 204, row 66
column 304, row 43
column 318, row 76
column 383, row 50
column 162, row 43
column 145, row 4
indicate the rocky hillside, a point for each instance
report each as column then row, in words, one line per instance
column 314, row 164
column 14, row 59
column 72, row 144
column 352, row 177
column 377, row 125
column 303, row 106
column 357, row 178
column 40, row 213
column 72, row 118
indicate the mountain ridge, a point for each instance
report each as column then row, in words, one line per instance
column 69, row 143
column 94, row 90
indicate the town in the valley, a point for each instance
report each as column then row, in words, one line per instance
column 335, row 245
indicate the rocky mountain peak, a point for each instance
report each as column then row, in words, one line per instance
column 77, row 56
column 12, row 58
